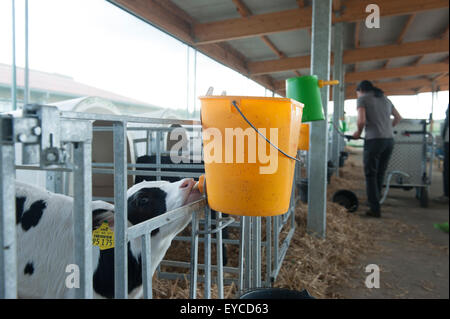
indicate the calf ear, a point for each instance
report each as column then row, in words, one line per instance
column 101, row 215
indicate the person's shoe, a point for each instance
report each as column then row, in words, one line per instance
column 371, row 213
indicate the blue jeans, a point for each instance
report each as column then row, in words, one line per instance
column 377, row 153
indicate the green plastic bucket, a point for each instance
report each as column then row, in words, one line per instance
column 306, row 90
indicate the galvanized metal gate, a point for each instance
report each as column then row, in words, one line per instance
column 48, row 137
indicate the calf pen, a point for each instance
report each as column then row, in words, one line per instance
column 60, row 143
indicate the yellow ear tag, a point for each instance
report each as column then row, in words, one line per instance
column 103, row 237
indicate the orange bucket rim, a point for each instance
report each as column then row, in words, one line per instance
column 237, row 97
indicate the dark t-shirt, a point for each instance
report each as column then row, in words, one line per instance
column 378, row 115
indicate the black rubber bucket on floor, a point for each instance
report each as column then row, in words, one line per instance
column 275, row 293
column 342, row 157
column 330, row 171
column 303, row 189
column 347, row 199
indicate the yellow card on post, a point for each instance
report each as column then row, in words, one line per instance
column 103, row 237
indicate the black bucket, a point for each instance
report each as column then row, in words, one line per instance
column 303, row 189
column 275, row 293
column 342, row 157
column 347, row 199
column 330, row 171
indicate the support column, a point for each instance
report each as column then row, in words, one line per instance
column 338, row 91
column 320, row 66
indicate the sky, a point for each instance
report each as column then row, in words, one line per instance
column 100, row 45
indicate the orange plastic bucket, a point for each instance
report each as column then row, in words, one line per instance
column 244, row 174
column 303, row 141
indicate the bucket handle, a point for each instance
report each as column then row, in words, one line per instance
column 267, row 140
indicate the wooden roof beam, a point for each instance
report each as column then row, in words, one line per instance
column 354, row 77
column 444, row 35
column 403, row 33
column 407, row 71
column 353, row 56
column 301, row 18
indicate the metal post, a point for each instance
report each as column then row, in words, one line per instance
column 146, row 266
column 120, row 208
column 83, row 216
column 26, row 92
column 13, row 81
column 8, row 248
column 320, row 66
column 207, row 251
column 338, row 91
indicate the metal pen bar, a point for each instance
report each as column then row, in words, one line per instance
column 207, row 251
column 241, row 254
column 219, row 254
column 144, row 128
column 194, row 257
column 26, row 93
column 152, row 166
column 146, row 266
column 283, row 251
column 158, row 155
column 83, row 216
column 275, row 242
column 174, row 276
column 14, row 75
column 213, row 240
column 254, row 249
column 185, row 264
column 257, row 264
column 147, row 173
column 149, row 142
column 161, row 220
column 248, row 252
column 120, row 207
column 8, row 245
column 268, row 251
column 124, row 118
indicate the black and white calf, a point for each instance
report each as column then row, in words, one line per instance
column 45, row 238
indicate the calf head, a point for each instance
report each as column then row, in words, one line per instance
column 147, row 200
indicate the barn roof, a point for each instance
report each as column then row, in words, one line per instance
column 270, row 40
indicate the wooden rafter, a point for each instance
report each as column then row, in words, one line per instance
column 301, row 3
column 407, row 71
column 354, row 77
column 403, row 33
column 354, row 56
column 337, row 5
column 438, row 82
column 244, row 11
column 287, row 20
column 444, row 35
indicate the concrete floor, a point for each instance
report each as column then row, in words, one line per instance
column 413, row 260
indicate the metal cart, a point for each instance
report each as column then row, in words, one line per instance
column 411, row 162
